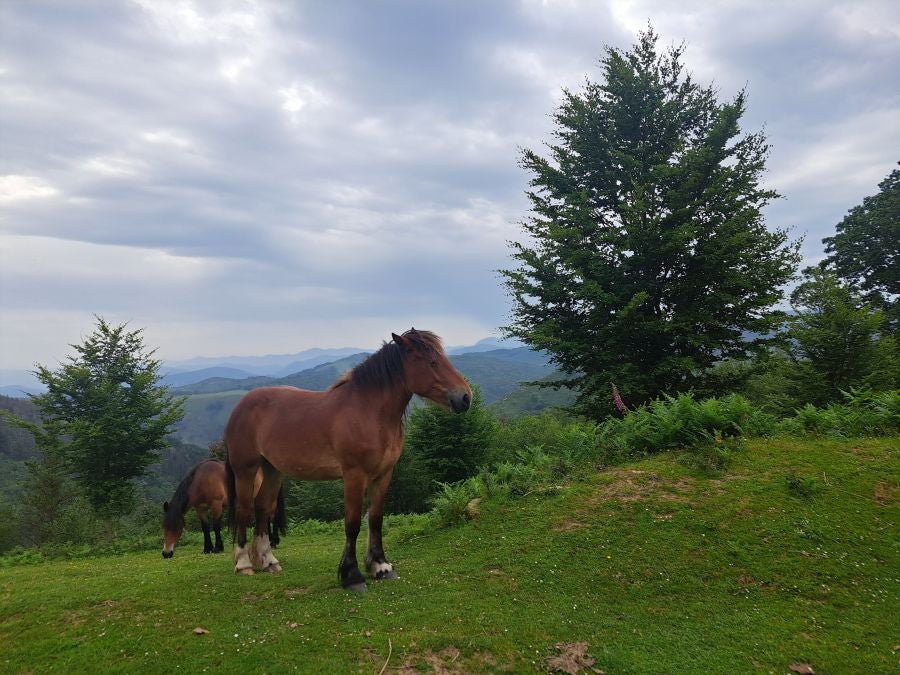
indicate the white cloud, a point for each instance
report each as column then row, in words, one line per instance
column 15, row 188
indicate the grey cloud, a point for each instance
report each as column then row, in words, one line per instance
column 325, row 161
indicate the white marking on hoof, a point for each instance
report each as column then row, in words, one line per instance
column 261, row 551
column 270, row 560
column 242, row 562
column 382, row 570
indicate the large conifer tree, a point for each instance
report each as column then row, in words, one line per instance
column 647, row 258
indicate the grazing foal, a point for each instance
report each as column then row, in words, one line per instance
column 204, row 489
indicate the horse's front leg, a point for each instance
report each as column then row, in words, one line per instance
column 376, row 563
column 348, row 569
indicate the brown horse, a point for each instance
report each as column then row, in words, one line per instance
column 353, row 431
column 204, row 489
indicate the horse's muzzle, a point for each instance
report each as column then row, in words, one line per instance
column 460, row 401
column 168, row 554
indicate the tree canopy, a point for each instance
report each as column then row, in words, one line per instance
column 104, row 414
column 646, row 258
column 865, row 250
column 837, row 340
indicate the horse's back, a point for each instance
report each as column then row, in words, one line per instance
column 292, row 428
column 208, row 486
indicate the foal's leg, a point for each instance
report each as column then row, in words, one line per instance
column 265, row 504
column 348, row 569
column 203, row 515
column 216, row 516
column 376, row 563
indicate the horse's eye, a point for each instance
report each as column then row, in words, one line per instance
column 434, row 364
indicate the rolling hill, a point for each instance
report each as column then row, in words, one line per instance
column 641, row 568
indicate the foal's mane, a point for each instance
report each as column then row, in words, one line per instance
column 384, row 368
column 179, row 503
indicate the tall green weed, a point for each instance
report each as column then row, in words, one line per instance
column 862, row 413
column 682, row 423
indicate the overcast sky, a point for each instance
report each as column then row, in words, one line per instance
column 263, row 177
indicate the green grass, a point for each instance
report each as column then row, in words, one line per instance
column 658, row 568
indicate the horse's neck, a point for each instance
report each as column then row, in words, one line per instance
column 387, row 406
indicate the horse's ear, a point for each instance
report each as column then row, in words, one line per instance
column 165, row 507
column 400, row 340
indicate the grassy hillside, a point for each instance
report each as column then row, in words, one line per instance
column 531, row 399
column 205, row 416
column 788, row 558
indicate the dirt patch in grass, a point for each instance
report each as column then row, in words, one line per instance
column 885, row 494
column 632, row 485
column 571, row 658
column 449, row 661
column 567, row 525
column 99, row 611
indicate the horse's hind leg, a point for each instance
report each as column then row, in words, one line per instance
column 243, row 496
column 266, row 503
column 376, row 563
column 203, row 515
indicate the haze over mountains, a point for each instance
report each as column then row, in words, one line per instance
column 19, row 383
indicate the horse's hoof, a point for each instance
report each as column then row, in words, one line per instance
column 247, row 571
column 273, row 568
column 358, row 588
column 386, row 575
column 205, row 552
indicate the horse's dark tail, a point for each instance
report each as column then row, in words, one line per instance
column 278, row 524
column 232, row 495
column 280, row 513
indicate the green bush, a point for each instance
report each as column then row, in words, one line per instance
column 449, row 503
column 315, row 500
column 680, row 423
column 863, row 413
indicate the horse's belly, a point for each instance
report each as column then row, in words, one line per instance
column 306, row 470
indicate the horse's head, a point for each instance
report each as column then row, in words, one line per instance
column 429, row 373
column 173, row 526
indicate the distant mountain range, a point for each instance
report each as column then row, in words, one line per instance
column 496, row 372
column 20, row 383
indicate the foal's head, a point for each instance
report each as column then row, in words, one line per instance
column 173, row 526
column 429, row 373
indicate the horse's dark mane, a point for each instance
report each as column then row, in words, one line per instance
column 174, row 515
column 384, row 368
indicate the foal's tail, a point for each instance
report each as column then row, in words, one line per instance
column 232, row 495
